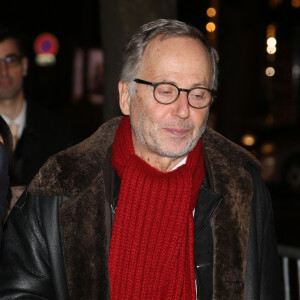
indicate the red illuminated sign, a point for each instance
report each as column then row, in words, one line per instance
column 46, row 43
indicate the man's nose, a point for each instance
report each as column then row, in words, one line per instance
column 182, row 105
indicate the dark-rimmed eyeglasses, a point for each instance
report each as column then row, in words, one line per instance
column 167, row 93
column 11, row 61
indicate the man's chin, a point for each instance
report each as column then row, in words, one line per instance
column 177, row 151
column 6, row 95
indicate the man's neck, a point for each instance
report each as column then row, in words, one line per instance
column 11, row 108
column 163, row 164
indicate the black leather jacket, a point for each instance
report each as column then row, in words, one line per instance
column 37, row 261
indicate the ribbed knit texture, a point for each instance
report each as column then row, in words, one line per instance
column 151, row 253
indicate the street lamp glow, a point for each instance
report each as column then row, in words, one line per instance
column 211, row 12
column 248, row 139
column 271, row 49
column 210, row 26
column 270, row 71
column 295, row 3
column 271, row 41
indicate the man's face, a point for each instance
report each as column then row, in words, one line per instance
column 170, row 130
column 11, row 77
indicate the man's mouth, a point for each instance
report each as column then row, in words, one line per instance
column 5, row 82
column 179, row 132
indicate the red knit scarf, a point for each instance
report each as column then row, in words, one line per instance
column 151, row 253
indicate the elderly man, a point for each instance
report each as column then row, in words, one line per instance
column 154, row 205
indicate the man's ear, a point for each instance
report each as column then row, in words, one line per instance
column 124, row 98
column 24, row 65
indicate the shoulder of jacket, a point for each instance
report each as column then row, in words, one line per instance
column 76, row 166
column 216, row 145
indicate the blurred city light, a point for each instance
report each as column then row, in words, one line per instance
column 271, row 49
column 46, row 47
column 271, row 41
column 270, row 71
column 296, row 71
column 295, row 3
column 210, row 26
column 211, row 12
column 248, row 139
column 267, row 148
column 274, row 3
column 45, row 59
column 271, row 31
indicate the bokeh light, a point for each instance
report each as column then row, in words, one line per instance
column 270, row 71
column 295, row 3
column 271, row 41
column 211, row 12
column 271, row 49
column 248, row 139
column 210, row 26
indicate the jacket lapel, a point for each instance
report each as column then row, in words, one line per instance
column 206, row 205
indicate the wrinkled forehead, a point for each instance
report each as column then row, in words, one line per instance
column 161, row 42
column 175, row 53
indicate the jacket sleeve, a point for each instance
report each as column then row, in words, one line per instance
column 263, row 262
column 3, row 186
column 24, row 260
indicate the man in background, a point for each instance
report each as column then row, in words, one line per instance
column 37, row 133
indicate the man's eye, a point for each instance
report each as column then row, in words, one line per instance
column 11, row 59
column 199, row 95
column 166, row 92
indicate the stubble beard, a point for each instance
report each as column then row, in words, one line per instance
column 153, row 144
column 10, row 92
column 7, row 94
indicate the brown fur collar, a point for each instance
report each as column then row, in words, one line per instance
column 77, row 173
column 226, row 162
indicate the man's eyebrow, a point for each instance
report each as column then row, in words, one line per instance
column 198, row 84
column 12, row 54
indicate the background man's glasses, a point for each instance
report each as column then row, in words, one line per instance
column 167, row 93
column 11, row 61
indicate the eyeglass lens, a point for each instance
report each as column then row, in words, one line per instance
column 11, row 61
column 167, row 93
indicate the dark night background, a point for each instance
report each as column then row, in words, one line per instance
column 248, row 100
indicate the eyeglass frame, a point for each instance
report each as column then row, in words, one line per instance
column 8, row 63
column 155, row 84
